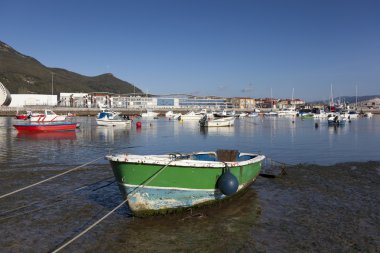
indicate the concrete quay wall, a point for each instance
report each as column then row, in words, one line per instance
column 12, row 111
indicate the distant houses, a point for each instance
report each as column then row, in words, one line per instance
column 370, row 104
column 143, row 101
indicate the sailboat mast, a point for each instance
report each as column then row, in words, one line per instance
column 292, row 96
column 356, row 97
column 271, row 97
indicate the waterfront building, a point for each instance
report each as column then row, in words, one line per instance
column 209, row 102
column 287, row 103
column 370, row 104
column 243, row 102
column 22, row 100
column 267, row 103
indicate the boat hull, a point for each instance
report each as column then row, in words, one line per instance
column 162, row 188
column 22, row 116
column 220, row 122
column 46, row 127
column 110, row 122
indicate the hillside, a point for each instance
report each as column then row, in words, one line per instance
column 24, row 74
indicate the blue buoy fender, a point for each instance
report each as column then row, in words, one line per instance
column 228, row 183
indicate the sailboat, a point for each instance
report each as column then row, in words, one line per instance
column 271, row 112
column 290, row 111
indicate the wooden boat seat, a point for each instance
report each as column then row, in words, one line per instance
column 227, row 155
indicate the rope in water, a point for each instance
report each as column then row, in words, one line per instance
column 110, row 212
column 50, row 178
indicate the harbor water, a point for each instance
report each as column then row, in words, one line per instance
column 328, row 201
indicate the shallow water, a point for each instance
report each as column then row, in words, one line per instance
column 313, row 208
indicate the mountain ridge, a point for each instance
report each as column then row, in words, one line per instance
column 24, row 74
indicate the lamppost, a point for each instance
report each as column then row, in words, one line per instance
column 52, row 82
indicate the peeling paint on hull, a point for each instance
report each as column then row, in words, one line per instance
column 155, row 199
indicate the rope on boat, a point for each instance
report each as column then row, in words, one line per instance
column 151, row 178
column 273, row 169
column 50, row 178
column 110, row 212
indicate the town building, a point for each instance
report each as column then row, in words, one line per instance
column 21, row 100
column 370, row 104
column 243, row 102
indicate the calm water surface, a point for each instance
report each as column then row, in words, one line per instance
column 58, row 210
column 282, row 139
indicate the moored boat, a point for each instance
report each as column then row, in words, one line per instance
column 107, row 118
column 218, row 122
column 157, row 184
column 172, row 115
column 336, row 120
column 46, row 127
column 149, row 114
column 192, row 116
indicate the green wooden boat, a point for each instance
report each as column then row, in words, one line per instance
column 154, row 184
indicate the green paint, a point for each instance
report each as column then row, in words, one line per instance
column 178, row 176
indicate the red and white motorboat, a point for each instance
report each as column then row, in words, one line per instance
column 47, row 116
column 46, row 127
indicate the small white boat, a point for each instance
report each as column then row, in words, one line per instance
column 271, row 114
column 218, row 122
column 47, row 116
column 320, row 114
column 242, row 115
column 149, row 114
column 225, row 113
column 336, row 120
column 253, row 114
column 368, row 114
column 192, row 116
column 172, row 115
column 288, row 112
column 351, row 115
column 111, row 119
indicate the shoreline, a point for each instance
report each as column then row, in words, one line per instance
column 12, row 111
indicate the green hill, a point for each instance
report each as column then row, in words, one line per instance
column 23, row 74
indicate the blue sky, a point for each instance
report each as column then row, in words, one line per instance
column 223, row 48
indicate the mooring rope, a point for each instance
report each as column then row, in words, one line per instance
column 110, row 212
column 89, row 228
column 50, row 178
column 58, row 196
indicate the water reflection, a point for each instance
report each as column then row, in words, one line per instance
column 69, row 135
column 218, row 131
column 109, row 133
column 283, row 139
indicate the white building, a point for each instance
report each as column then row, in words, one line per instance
column 21, row 100
column 371, row 104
